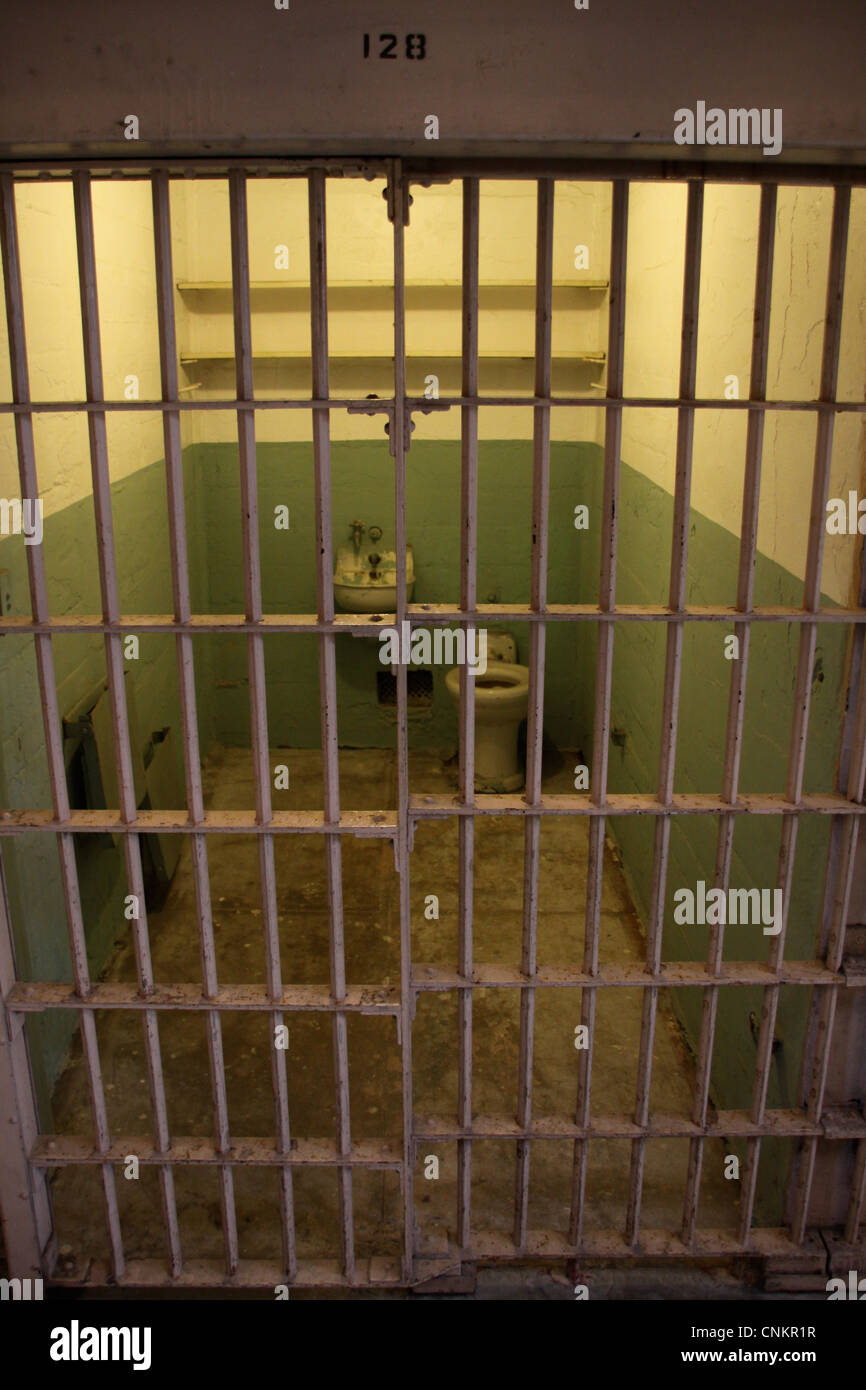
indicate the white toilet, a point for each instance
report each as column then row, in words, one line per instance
column 501, row 701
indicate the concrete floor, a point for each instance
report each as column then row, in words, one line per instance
column 372, row 958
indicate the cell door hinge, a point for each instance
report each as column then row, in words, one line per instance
column 14, row 1027
column 854, row 970
column 844, row 1122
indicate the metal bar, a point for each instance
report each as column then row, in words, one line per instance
column 841, row 888
column 737, row 700
column 737, row 1123
column 673, row 669
column 489, row 1248
column 362, row 625
column 603, row 681
column 535, row 714
column 328, row 690
column 54, row 753
column 180, row 578
column 381, row 825
column 402, row 841
column 120, row 722
column 858, row 1196
column 468, row 599
column 189, row 717
column 68, row 1151
column 420, row 168
column 117, row 693
column 25, row 1215
column 258, row 692
column 27, row 996
column 385, row 403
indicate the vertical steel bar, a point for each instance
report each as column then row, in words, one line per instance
column 535, row 722
column 186, row 683
column 96, row 423
column 673, row 668
column 808, row 637
column 468, row 597
column 858, row 1196
column 45, row 664
column 25, row 1209
column 179, row 565
column 739, row 674
column 258, row 691
column 399, row 437
column 20, row 1248
column 603, row 682
column 162, row 234
column 328, row 687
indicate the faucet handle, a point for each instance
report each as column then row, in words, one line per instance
column 375, row 533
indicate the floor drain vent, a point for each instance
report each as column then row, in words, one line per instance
column 419, row 689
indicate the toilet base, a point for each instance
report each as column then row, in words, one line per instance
column 498, row 768
column 514, row 783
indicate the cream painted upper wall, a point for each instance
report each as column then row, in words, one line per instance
column 653, row 314
column 500, row 74
column 123, row 240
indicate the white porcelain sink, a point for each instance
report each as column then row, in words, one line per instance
column 362, row 587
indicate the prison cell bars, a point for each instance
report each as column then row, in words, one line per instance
column 603, row 689
column 328, row 687
column 803, row 691
column 858, row 1187
column 258, row 691
column 535, row 710
column 185, row 657
column 737, row 695
column 841, row 890
column 468, row 600
column 670, row 704
column 340, row 999
column 30, row 1236
column 816, row 407
column 399, row 428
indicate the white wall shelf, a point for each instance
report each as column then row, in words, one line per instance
column 225, row 286
column 499, row 356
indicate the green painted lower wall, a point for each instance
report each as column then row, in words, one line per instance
column 644, row 550
column 30, row 863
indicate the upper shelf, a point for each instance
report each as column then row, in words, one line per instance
column 437, row 356
column 226, row 285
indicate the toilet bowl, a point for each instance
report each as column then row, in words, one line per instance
column 501, row 701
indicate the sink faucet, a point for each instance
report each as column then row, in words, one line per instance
column 358, row 529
